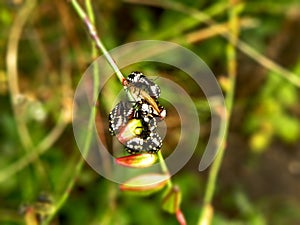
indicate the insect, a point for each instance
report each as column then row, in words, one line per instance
column 142, row 82
column 151, row 144
column 135, row 124
column 134, row 127
column 147, row 109
column 119, row 116
column 141, row 88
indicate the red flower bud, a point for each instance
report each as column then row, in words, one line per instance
column 137, row 160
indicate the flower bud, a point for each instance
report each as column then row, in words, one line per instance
column 137, row 160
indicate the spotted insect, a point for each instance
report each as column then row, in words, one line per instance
column 148, row 140
column 140, row 135
column 134, row 127
column 141, row 88
column 124, row 111
column 119, row 116
column 152, row 143
column 142, row 82
column 146, row 109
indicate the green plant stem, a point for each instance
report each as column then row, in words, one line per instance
column 232, row 73
column 164, row 168
column 111, row 190
column 91, row 17
column 77, row 170
column 88, row 138
column 95, row 37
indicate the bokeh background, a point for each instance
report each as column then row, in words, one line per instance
column 45, row 48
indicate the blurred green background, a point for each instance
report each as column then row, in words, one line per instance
column 259, row 180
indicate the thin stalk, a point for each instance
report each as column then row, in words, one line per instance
column 215, row 30
column 76, row 171
column 64, row 196
column 91, row 16
column 95, row 37
column 14, row 89
column 186, row 23
column 232, row 73
column 12, row 70
column 164, row 168
column 96, row 68
column 111, row 190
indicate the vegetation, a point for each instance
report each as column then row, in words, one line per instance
column 253, row 49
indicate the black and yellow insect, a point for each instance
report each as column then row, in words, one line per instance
column 143, row 89
column 135, row 123
column 134, row 128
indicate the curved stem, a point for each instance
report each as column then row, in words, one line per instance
column 12, row 70
column 234, row 11
column 95, row 37
column 18, row 100
column 33, row 152
column 88, row 138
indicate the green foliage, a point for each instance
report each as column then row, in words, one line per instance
column 54, row 50
column 271, row 115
